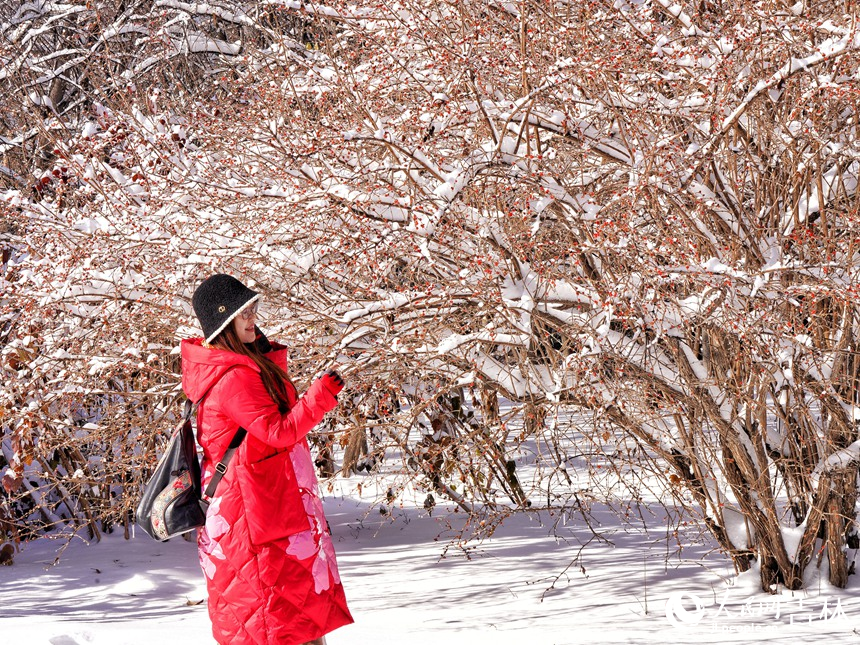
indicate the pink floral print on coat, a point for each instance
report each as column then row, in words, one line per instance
column 210, row 549
column 316, row 542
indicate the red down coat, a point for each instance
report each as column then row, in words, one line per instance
column 265, row 550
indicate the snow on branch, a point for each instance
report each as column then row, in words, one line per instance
column 825, row 52
column 677, row 12
column 395, row 301
column 206, row 9
column 818, row 195
column 839, row 460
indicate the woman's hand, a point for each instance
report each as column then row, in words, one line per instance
column 333, row 381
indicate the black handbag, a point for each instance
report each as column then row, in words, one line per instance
column 171, row 503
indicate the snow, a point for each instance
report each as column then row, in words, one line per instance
column 203, row 8
column 90, row 128
column 840, row 459
column 792, row 537
column 199, row 43
column 737, row 527
column 454, row 341
column 407, row 581
column 395, row 301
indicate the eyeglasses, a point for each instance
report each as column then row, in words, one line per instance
column 250, row 311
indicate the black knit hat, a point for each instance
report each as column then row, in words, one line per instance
column 218, row 300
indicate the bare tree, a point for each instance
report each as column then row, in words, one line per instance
column 643, row 210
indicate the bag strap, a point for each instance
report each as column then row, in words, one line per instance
column 221, row 466
column 189, row 409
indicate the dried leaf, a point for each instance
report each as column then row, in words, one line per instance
column 12, row 482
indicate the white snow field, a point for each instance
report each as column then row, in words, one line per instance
column 522, row 585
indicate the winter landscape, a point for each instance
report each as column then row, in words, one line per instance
column 589, row 270
column 526, row 584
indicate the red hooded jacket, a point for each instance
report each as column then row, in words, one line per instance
column 265, row 551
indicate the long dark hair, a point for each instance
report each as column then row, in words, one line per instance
column 274, row 377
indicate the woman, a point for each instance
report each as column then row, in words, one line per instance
column 265, row 551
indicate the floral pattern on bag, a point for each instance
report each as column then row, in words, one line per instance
column 178, row 485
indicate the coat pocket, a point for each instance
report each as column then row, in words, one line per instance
column 273, row 503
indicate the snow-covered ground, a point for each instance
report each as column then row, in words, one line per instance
column 522, row 585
